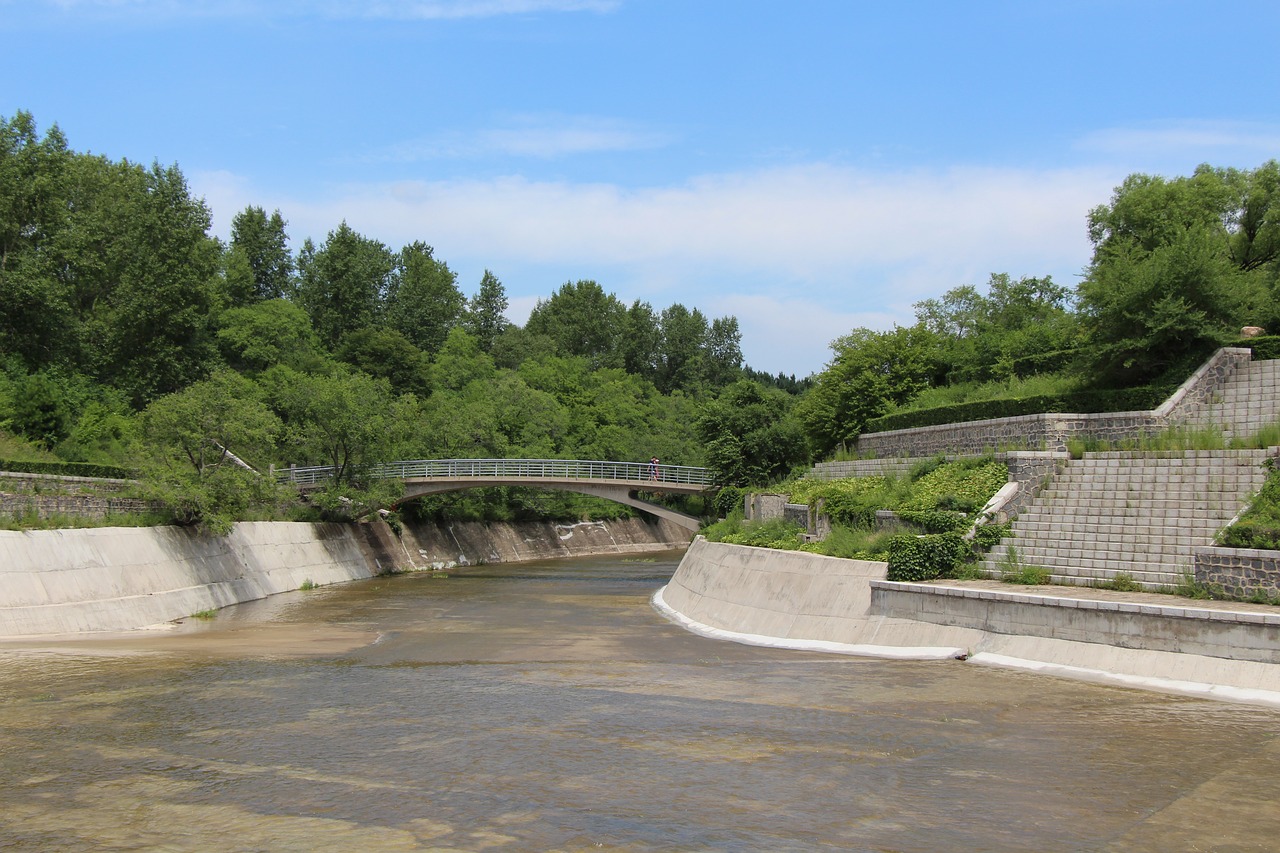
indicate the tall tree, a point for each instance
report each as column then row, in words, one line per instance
column 423, row 300
column 1178, row 266
column 641, row 342
column 158, row 337
column 583, row 320
column 750, row 435
column 682, row 362
column 264, row 245
column 723, row 352
column 35, row 307
column 342, row 284
column 486, row 313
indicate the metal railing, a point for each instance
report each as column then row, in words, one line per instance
column 513, row 469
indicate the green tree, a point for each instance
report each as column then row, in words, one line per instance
column 582, row 320
column 39, row 410
column 749, row 434
column 486, row 313
column 255, row 337
column 263, row 244
column 387, row 354
column 35, row 310
column 723, row 352
column 158, row 335
column 423, row 300
column 682, row 359
column 641, row 342
column 1178, row 266
column 870, row 372
column 201, row 437
column 342, row 284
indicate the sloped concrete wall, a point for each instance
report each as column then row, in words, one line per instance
column 117, row 578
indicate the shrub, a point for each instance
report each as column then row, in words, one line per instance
column 1259, row 526
column 1143, row 398
column 921, row 558
column 1265, row 347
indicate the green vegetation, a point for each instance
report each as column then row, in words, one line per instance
column 134, row 342
column 205, row 614
column 308, row 585
column 1259, row 526
column 1122, row 582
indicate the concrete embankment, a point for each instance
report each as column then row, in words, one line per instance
column 117, row 579
column 804, row 601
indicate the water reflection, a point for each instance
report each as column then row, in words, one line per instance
column 547, row 707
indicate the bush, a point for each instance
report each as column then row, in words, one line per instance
column 1265, row 347
column 68, row 469
column 1139, row 399
column 922, row 558
column 1259, row 526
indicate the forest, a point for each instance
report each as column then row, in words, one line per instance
column 132, row 338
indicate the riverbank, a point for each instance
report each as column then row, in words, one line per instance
column 56, row 582
column 805, row 601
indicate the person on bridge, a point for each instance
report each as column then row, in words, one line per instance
column 653, row 468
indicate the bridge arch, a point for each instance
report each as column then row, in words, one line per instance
column 615, row 481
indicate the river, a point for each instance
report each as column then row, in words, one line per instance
column 547, row 706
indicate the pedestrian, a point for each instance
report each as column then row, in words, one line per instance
column 653, row 468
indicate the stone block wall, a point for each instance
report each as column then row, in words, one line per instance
column 1051, row 430
column 1240, row 572
column 78, row 506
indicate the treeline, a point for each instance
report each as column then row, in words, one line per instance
column 131, row 336
column 1179, row 267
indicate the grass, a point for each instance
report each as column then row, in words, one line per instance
column 1013, row 570
column 1122, row 582
column 976, row 392
column 308, row 584
column 205, row 614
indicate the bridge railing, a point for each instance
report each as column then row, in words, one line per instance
column 560, row 469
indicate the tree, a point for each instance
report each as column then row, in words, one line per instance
column 35, row 310
column 723, row 352
column 263, row 244
column 870, row 372
column 583, row 320
column 486, row 313
column 641, row 341
column 200, row 437
column 157, row 335
column 387, row 354
column 342, row 284
column 681, row 362
column 255, row 337
column 423, row 300
column 1178, row 266
column 750, row 436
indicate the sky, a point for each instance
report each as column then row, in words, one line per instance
column 808, row 166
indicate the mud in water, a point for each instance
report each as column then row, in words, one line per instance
column 547, row 707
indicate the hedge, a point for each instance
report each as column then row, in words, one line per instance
column 1141, row 399
column 1265, row 347
column 923, row 558
column 68, row 469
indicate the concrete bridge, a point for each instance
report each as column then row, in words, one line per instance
column 614, row 481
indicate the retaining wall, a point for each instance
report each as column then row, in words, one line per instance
column 800, row 600
column 1241, row 573
column 117, row 579
column 1051, row 431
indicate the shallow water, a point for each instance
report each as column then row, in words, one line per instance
column 548, row 707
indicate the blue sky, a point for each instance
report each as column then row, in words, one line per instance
column 809, row 167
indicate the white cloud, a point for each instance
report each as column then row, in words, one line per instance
column 544, row 137
column 800, row 255
column 1188, row 141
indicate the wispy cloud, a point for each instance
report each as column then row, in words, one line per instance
column 801, row 254
column 542, row 137
column 1192, row 140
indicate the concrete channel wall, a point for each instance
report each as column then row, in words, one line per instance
column 805, row 601
column 75, row 581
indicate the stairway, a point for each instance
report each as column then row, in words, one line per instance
column 1248, row 402
column 1140, row 514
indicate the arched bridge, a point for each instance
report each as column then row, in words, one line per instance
column 615, row 481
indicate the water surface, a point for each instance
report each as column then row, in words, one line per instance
column 546, row 706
